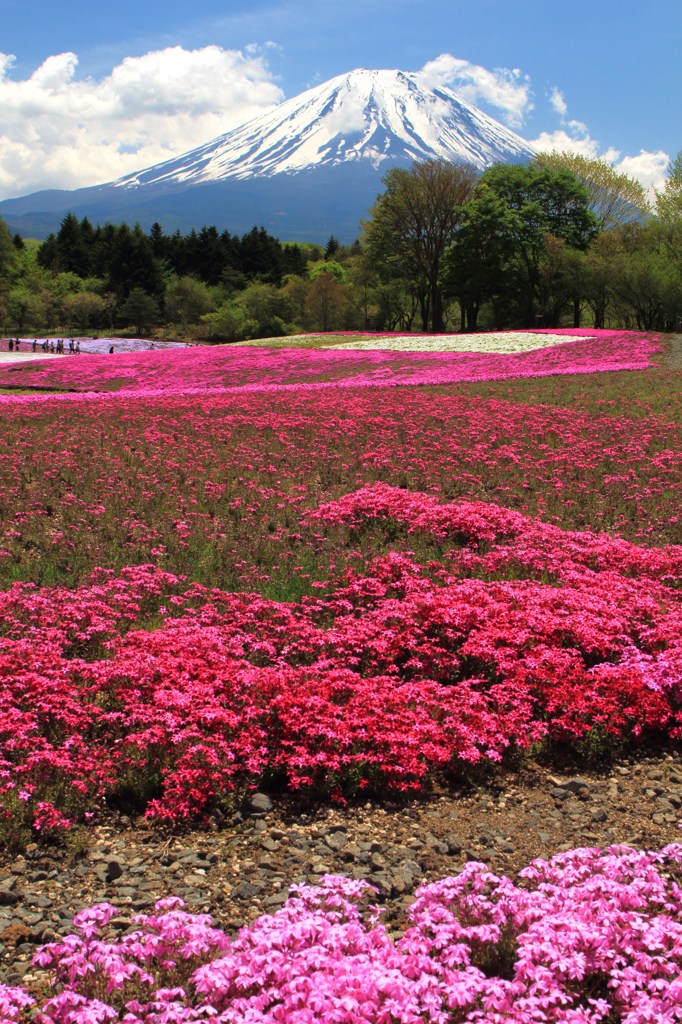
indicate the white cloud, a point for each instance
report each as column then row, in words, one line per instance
column 558, row 102
column 649, row 168
column 507, row 90
column 57, row 131
column 574, row 137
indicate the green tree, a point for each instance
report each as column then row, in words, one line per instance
column 132, row 264
column 186, row 300
column 25, row 308
column 601, row 269
column 546, row 203
column 647, row 290
column 73, row 250
column 330, row 267
column 331, row 247
column 294, row 292
column 85, row 310
column 669, row 211
column 479, row 266
column 325, row 303
column 264, row 308
column 669, row 198
column 228, row 323
column 8, row 253
column 412, row 225
column 140, row 309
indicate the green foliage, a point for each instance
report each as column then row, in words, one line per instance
column 480, row 265
column 413, row 223
column 327, row 266
column 86, row 310
column 614, row 198
column 8, row 251
column 187, row 300
column 228, row 323
column 564, row 238
column 25, row 308
column 140, row 309
column 534, row 204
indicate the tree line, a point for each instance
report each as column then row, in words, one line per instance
column 564, row 240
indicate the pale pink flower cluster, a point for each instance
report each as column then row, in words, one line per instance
column 588, row 937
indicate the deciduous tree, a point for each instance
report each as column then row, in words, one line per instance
column 413, row 223
column 615, row 198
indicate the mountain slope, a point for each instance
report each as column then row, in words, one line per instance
column 310, row 168
column 377, row 116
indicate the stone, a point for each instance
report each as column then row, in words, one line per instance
column 574, row 785
column 109, row 871
column 260, row 803
column 246, row 891
column 337, row 840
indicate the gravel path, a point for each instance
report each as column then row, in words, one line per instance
column 244, row 867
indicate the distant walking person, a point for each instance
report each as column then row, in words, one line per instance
column 11, row 345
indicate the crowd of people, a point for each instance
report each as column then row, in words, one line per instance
column 55, row 347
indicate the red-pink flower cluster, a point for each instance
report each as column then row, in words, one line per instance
column 175, row 697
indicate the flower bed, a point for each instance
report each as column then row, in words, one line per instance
column 175, row 699
column 196, row 370
column 497, row 342
column 588, row 937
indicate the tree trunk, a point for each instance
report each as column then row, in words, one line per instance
column 437, row 325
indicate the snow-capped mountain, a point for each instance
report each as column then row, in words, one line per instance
column 310, row 168
column 378, row 116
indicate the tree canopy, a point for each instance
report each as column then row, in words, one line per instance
column 413, row 223
column 615, row 198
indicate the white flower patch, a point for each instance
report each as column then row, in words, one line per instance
column 22, row 357
column 498, row 343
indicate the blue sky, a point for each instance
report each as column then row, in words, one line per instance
column 96, row 91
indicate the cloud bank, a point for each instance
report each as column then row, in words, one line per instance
column 506, row 90
column 573, row 136
column 57, row 131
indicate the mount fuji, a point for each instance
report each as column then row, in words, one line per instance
column 310, row 168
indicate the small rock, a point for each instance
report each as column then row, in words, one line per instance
column 336, row 841
column 260, row 803
column 246, row 891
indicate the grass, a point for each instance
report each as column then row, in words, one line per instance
column 297, row 341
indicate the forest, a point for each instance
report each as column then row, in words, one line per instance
column 564, row 241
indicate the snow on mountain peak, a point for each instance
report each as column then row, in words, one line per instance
column 376, row 116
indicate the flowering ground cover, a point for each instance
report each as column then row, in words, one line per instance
column 503, row 634
column 91, row 345
column 196, row 370
column 588, row 937
column 499, row 342
column 248, row 568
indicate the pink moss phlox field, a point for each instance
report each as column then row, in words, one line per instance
column 176, row 698
column 198, row 370
column 588, row 937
